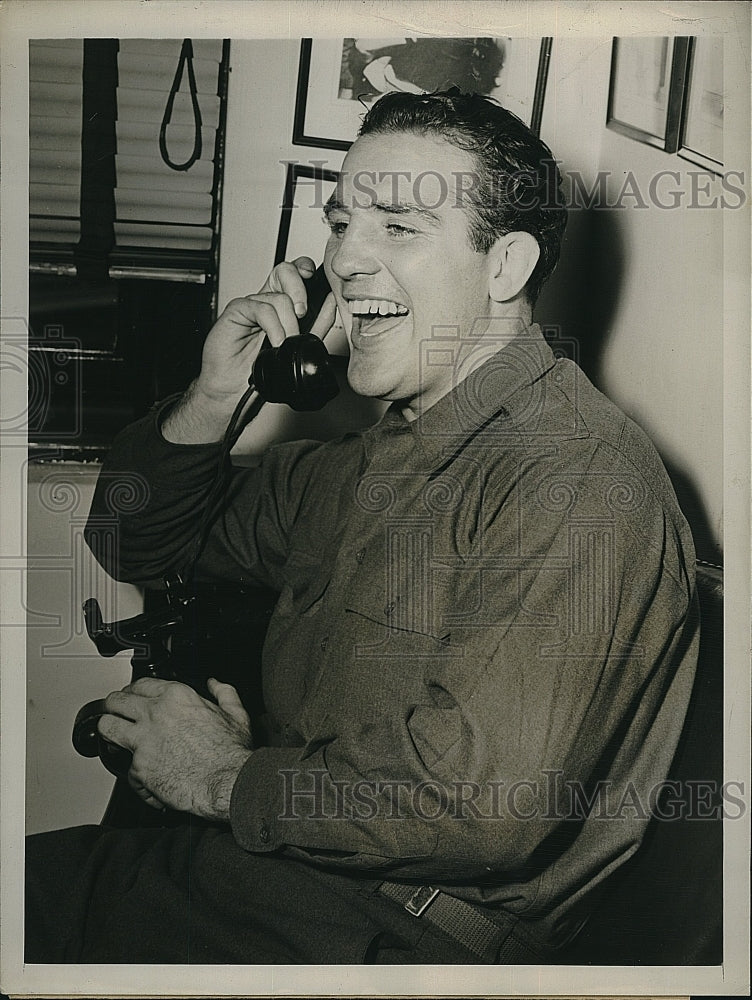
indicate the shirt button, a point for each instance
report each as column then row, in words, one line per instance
column 264, row 834
column 324, row 643
column 360, row 556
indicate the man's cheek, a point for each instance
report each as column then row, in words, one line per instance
column 344, row 319
column 334, row 281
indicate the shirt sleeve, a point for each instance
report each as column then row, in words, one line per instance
column 150, row 496
column 577, row 636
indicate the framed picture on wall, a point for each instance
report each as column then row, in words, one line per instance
column 339, row 79
column 702, row 127
column 647, row 89
column 302, row 229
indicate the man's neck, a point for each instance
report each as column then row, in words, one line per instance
column 497, row 331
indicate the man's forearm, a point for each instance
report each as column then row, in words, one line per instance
column 197, row 419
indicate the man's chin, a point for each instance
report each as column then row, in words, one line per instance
column 364, row 381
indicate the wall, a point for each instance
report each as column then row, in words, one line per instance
column 663, row 355
column 641, row 287
column 64, row 671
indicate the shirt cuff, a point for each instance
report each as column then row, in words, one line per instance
column 287, row 797
column 257, row 799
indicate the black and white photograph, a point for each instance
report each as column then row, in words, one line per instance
column 338, row 79
column 375, row 554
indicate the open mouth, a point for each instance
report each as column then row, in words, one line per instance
column 372, row 317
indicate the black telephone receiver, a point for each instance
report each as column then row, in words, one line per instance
column 299, row 372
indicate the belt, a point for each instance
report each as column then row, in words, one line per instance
column 489, row 941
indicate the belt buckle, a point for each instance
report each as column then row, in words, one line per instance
column 420, row 900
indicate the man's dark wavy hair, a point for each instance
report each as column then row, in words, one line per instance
column 518, row 181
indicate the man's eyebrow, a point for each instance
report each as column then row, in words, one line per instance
column 408, row 208
column 388, row 208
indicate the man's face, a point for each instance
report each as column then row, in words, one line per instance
column 401, row 265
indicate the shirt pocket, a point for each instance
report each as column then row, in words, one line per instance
column 399, row 625
column 418, row 603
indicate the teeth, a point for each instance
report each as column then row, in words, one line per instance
column 377, row 307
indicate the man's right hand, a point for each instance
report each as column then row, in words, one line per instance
column 231, row 348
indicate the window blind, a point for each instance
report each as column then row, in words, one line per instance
column 55, row 96
column 155, row 205
column 157, row 208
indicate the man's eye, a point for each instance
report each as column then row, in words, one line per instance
column 396, row 229
column 337, row 226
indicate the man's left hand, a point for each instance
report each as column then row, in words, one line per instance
column 187, row 751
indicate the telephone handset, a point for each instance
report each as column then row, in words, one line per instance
column 299, row 372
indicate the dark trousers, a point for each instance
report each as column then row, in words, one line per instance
column 192, row 895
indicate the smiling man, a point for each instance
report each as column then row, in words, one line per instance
column 405, row 269
column 479, row 664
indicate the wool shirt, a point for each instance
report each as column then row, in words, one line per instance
column 485, row 640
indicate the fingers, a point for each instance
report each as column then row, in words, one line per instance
column 288, row 278
column 227, row 699
column 284, row 309
column 117, row 730
column 143, row 793
column 280, row 303
column 305, row 266
column 148, row 687
column 124, row 704
column 136, row 701
column 264, row 312
column 326, row 317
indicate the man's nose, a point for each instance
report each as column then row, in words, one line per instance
column 353, row 254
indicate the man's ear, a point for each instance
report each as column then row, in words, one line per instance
column 511, row 261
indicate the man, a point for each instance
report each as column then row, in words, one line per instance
column 484, row 644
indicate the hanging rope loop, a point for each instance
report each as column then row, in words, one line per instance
column 186, row 59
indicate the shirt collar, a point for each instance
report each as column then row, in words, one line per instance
column 473, row 402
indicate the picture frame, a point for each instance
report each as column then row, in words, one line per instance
column 702, row 120
column 646, row 89
column 302, row 230
column 339, row 78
